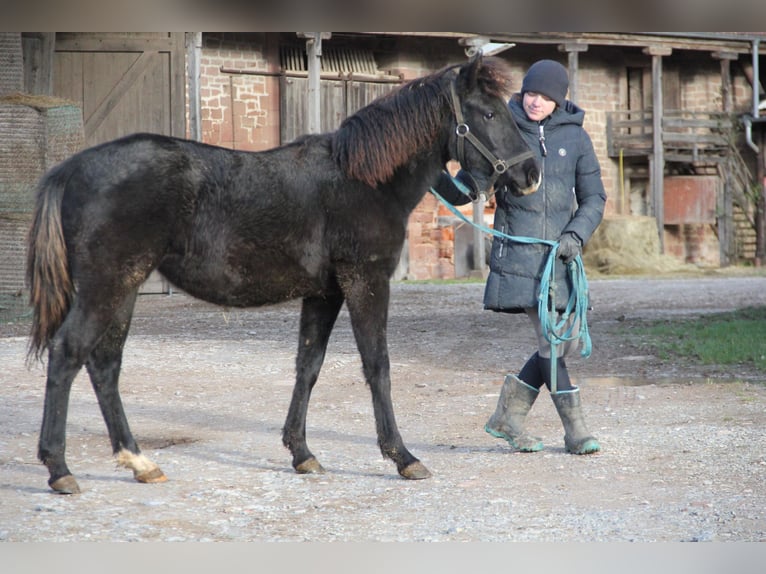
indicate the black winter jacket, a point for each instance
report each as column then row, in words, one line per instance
column 571, row 198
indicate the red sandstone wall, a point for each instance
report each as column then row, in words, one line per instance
column 238, row 111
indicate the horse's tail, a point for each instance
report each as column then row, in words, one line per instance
column 48, row 277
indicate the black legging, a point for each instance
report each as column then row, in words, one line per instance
column 536, row 372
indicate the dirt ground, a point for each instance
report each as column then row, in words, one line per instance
column 207, row 389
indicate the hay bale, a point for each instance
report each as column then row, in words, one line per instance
column 627, row 245
column 38, row 132
column 38, row 102
column 13, row 298
column 22, row 157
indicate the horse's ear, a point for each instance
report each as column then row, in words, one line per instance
column 468, row 77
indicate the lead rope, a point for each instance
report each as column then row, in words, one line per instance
column 555, row 331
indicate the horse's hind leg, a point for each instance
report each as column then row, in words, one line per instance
column 318, row 316
column 62, row 369
column 67, row 353
column 103, row 366
column 367, row 300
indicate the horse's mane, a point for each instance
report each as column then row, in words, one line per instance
column 382, row 136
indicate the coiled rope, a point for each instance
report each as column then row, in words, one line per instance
column 556, row 329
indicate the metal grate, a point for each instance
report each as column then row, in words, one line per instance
column 334, row 60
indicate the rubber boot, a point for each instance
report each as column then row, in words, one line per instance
column 577, row 439
column 516, row 398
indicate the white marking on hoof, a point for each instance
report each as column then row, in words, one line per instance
column 144, row 470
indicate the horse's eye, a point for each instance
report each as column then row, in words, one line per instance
column 489, row 115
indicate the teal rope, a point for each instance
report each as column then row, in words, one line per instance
column 555, row 331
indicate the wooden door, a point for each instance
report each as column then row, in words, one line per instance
column 293, row 106
column 125, row 83
column 339, row 99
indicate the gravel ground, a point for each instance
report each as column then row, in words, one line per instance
column 207, row 389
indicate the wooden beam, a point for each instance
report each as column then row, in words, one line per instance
column 658, row 50
column 38, row 49
column 725, row 220
column 107, row 44
column 314, row 57
column 193, row 52
column 760, row 205
column 720, row 55
column 573, row 50
column 657, row 163
column 178, row 85
column 740, row 46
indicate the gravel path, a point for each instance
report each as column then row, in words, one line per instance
column 206, row 391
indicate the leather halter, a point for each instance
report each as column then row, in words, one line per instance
column 464, row 133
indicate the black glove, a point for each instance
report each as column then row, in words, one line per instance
column 570, row 247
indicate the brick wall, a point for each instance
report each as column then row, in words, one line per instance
column 238, row 111
column 598, row 92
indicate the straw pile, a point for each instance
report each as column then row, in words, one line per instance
column 628, row 245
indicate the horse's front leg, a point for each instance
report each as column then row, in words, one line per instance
column 318, row 317
column 367, row 300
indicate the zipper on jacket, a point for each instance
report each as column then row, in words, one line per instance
column 544, row 151
column 541, row 131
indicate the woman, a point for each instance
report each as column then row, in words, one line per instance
column 567, row 207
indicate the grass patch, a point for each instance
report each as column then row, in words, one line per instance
column 736, row 337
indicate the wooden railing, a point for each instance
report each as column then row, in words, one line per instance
column 704, row 139
column 686, row 136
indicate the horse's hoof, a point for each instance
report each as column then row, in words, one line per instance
column 415, row 471
column 65, row 485
column 151, row 476
column 310, row 466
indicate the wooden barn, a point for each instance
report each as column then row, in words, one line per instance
column 676, row 118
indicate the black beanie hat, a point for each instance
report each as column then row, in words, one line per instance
column 549, row 78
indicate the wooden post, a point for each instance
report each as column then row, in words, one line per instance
column 726, row 247
column 479, row 260
column 726, row 93
column 760, row 204
column 313, row 99
column 178, row 78
column 38, row 53
column 573, row 50
column 657, row 162
column 314, row 52
column 193, row 51
column 760, row 207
